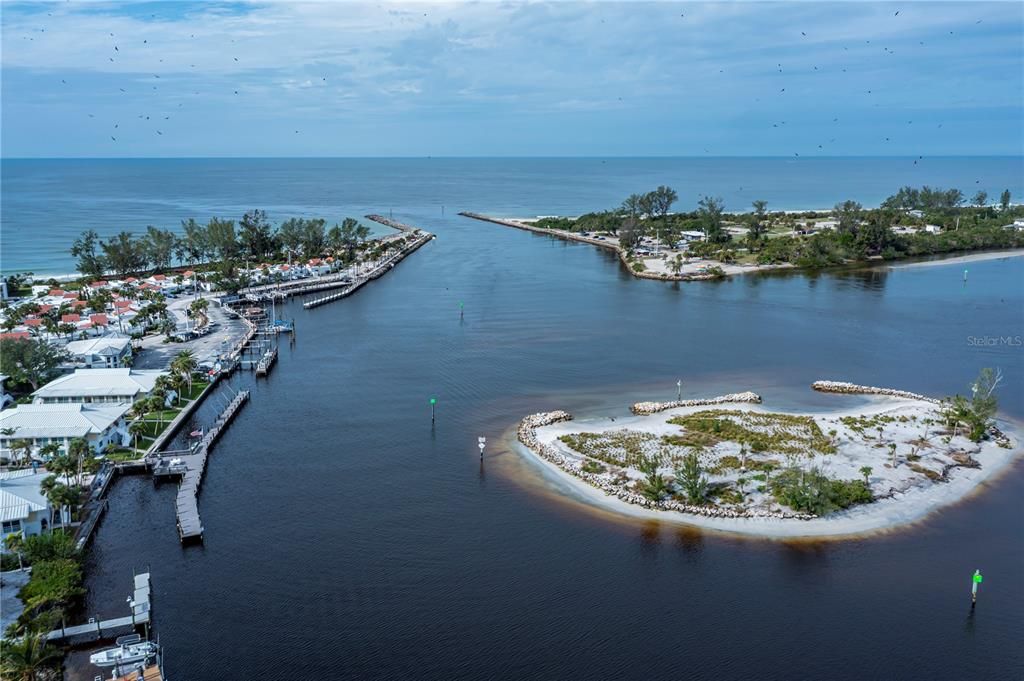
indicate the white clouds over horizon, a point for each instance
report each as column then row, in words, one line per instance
column 562, row 78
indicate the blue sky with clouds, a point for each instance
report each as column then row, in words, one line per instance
column 102, row 79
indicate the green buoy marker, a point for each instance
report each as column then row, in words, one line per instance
column 975, row 581
column 965, row 276
column 433, row 401
column 460, row 309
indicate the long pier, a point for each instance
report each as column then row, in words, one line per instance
column 266, row 361
column 190, row 468
column 377, row 270
column 141, row 609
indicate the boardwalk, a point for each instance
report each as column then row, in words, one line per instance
column 191, row 468
column 141, row 611
column 374, row 272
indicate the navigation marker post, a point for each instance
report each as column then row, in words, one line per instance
column 975, row 581
column 460, row 309
column 965, row 276
column 481, row 442
column 433, row 401
column 679, row 390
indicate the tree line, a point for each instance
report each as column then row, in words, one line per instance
column 218, row 241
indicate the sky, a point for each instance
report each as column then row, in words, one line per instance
column 102, row 79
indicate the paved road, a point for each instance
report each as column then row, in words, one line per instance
column 10, row 607
column 156, row 354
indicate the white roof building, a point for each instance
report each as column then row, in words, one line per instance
column 44, row 424
column 98, row 386
column 109, row 352
column 23, row 506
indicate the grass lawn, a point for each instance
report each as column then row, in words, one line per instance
column 126, row 454
column 197, row 387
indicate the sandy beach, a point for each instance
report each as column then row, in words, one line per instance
column 961, row 259
column 903, row 494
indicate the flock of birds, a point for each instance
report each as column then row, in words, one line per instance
column 117, row 53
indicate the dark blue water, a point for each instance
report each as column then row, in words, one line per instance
column 347, row 539
column 46, row 204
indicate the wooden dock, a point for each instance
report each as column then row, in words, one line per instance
column 141, row 612
column 191, row 468
column 377, row 271
column 266, row 361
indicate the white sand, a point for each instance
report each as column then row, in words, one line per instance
column 960, row 259
column 914, row 495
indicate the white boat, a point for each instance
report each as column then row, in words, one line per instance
column 124, row 654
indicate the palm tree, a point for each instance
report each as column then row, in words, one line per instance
column 79, row 450
column 26, row 658
column 185, row 364
column 866, row 472
column 46, row 487
column 136, row 428
column 22, row 446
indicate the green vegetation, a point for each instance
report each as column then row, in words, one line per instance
column 811, row 491
column 974, row 415
column 30, row 360
column 594, row 467
column 761, row 432
column 691, row 479
column 54, row 586
column 778, row 238
column 618, row 448
column 654, row 486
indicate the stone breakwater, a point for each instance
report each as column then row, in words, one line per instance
column 854, row 389
column 527, row 434
column 648, row 408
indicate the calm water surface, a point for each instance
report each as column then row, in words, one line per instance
column 346, row 538
column 46, row 204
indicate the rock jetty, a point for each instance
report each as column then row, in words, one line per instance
column 854, row 389
column 648, row 408
column 527, row 434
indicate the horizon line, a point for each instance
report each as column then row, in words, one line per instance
column 492, row 157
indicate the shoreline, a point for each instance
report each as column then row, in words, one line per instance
column 695, row 271
column 892, row 512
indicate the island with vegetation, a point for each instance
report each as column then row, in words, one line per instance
column 710, row 243
column 729, row 464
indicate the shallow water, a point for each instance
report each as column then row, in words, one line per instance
column 346, row 538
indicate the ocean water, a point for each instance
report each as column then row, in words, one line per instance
column 347, row 538
column 45, row 204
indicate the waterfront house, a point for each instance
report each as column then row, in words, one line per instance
column 23, row 505
column 107, row 352
column 932, row 229
column 43, row 424
column 100, row 386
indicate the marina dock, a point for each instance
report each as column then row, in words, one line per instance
column 266, row 361
column 190, row 469
column 141, row 608
column 377, row 270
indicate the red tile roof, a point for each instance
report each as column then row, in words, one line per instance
column 98, row 319
column 15, row 335
column 33, row 322
column 159, row 277
column 55, row 292
column 78, row 304
column 70, row 318
column 45, row 308
column 69, row 295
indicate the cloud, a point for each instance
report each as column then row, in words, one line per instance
column 659, row 63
